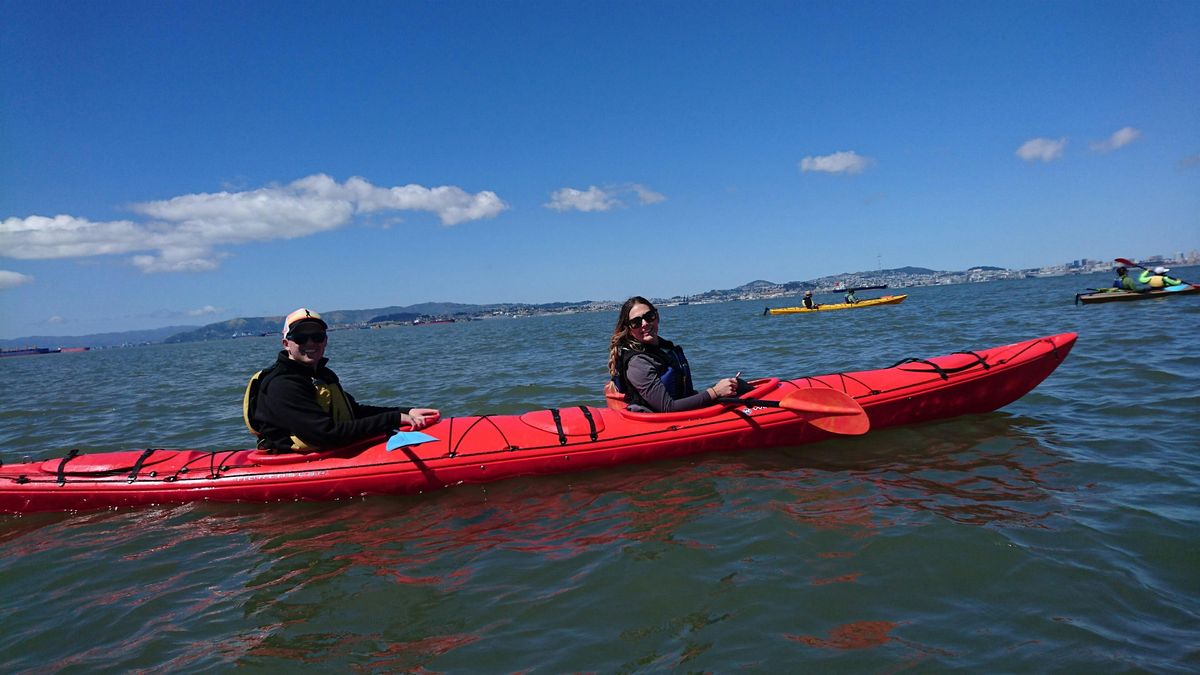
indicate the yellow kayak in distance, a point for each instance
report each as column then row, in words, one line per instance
column 874, row 302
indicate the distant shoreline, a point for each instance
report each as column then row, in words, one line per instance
column 433, row 313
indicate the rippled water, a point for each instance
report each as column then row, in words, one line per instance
column 1061, row 533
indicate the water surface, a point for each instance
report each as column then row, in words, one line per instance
column 1060, row 533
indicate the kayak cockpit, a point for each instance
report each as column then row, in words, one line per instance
column 616, row 401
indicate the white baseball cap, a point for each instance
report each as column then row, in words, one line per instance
column 300, row 316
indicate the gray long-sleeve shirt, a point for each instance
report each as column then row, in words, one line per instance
column 643, row 374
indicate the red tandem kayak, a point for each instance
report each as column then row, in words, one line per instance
column 478, row 449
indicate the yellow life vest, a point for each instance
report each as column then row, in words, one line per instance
column 329, row 396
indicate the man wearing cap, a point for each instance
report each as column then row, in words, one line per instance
column 299, row 405
column 1157, row 279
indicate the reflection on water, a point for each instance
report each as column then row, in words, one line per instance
column 391, row 582
column 857, row 635
column 1002, row 477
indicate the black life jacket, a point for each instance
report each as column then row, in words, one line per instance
column 329, row 396
column 675, row 375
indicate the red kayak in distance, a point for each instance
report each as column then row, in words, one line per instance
column 480, row 449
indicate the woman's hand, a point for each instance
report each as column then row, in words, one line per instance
column 419, row 418
column 725, row 387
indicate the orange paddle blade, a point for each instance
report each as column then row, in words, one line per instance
column 821, row 400
column 829, row 410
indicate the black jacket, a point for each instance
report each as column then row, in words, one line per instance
column 287, row 406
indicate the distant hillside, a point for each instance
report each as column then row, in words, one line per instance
column 398, row 317
column 270, row 325
column 97, row 340
column 229, row 329
column 906, row 270
column 273, row 325
column 757, row 285
column 407, row 314
column 845, row 278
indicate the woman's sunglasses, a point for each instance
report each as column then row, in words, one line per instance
column 648, row 317
column 305, row 338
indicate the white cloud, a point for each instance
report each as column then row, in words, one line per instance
column 203, row 311
column 184, row 231
column 452, row 204
column 39, row 237
column 839, row 162
column 646, row 195
column 1044, row 149
column 179, row 259
column 13, row 279
column 592, row 199
column 1119, row 139
column 600, row 199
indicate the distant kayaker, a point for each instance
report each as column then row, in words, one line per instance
column 1158, row 278
column 652, row 372
column 1123, row 282
column 808, row 301
column 850, row 299
column 298, row 405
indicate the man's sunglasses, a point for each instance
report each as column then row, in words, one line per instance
column 305, row 338
column 648, row 317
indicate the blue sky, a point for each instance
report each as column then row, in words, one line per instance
column 189, row 162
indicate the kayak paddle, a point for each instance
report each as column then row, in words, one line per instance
column 1129, row 263
column 828, row 409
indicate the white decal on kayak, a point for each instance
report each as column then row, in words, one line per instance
column 265, row 476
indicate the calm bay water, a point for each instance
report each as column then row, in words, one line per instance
column 1061, row 533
